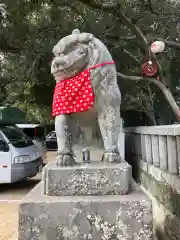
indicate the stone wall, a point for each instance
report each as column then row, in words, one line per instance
column 154, row 153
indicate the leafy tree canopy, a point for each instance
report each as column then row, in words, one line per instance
column 32, row 27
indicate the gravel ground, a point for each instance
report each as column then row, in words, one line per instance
column 11, row 194
column 8, row 221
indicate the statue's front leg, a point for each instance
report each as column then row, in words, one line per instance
column 109, row 123
column 65, row 155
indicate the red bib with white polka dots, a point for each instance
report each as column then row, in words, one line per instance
column 74, row 94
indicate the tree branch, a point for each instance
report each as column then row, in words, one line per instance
column 139, row 106
column 104, row 6
column 149, row 6
column 116, row 9
column 143, row 39
column 105, row 33
column 121, row 38
column 168, row 43
column 132, row 56
column 167, row 93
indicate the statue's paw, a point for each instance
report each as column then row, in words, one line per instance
column 65, row 160
column 111, row 157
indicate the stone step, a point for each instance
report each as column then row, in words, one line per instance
column 95, row 178
column 85, row 217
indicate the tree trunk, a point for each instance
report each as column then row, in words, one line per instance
column 167, row 93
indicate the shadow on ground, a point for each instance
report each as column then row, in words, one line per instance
column 17, row 189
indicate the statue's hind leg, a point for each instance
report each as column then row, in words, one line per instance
column 109, row 123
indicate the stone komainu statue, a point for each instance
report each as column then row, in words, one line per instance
column 86, row 80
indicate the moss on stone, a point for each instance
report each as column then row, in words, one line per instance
column 164, row 193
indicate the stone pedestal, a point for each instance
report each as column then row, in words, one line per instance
column 87, row 179
column 121, row 145
column 82, row 202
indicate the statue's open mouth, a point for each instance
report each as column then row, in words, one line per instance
column 68, row 69
column 64, row 69
column 80, row 61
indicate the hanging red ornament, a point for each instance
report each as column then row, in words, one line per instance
column 149, row 68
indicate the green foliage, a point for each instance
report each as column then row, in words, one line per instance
column 32, row 27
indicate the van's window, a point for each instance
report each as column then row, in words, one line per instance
column 15, row 136
column 34, row 133
column 52, row 135
column 3, row 145
column 29, row 132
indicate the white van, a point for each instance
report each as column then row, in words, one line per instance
column 36, row 133
column 20, row 158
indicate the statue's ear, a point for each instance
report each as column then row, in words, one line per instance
column 75, row 31
column 54, row 49
column 85, row 37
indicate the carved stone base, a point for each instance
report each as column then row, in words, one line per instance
column 85, row 217
column 95, row 178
